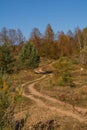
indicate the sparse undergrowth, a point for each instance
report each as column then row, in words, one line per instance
column 46, row 120
column 76, row 95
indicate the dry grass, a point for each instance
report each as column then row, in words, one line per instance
column 50, row 87
column 76, row 95
column 61, row 122
column 24, row 76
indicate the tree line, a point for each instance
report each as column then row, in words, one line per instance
column 53, row 45
column 18, row 53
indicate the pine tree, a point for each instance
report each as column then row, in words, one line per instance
column 6, row 59
column 29, row 56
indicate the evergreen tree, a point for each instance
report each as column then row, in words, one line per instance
column 29, row 56
column 6, row 59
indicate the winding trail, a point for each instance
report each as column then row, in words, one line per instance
column 79, row 114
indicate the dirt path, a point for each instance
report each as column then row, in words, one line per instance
column 68, row 111
column 33, row 91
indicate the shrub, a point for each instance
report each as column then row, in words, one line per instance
column 63, row 70
column 63, row 64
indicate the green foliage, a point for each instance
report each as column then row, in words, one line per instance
column 29, row 56
column 66, row 77
column 63, row 69
column 66, row 80
column 6, row 59
column 63, row 64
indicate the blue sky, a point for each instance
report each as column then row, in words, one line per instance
column 27, row 14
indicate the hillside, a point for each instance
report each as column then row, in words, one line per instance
column 55, row 107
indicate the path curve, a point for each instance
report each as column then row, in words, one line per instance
column 59, row 110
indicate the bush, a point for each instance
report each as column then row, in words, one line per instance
column 63, row 70
column 63, row 64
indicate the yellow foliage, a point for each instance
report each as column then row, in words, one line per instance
column 3, row 85
column 19, row 90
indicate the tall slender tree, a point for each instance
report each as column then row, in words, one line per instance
column 49, row 34
column 35, row 38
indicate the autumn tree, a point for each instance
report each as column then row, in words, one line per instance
column 48, row 46
column 84, row 35
column 66, row 44
column 81, row 39
column 3, row 36
column 72, row 44
column 78, row 38
column 49, row 34
column 63, row 44
column 35, row 37
column 84, row 48
column 11, row 36
column 70, row 33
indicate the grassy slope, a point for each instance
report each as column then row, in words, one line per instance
column 49, row 86
column 77, row 95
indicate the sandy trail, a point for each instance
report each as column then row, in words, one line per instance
column 35, row 96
